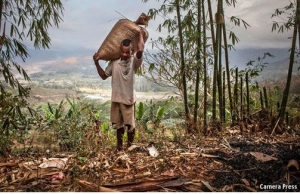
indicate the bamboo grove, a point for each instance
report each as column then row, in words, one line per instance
column 194, row 60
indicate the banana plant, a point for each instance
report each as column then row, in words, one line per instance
column 149, row 115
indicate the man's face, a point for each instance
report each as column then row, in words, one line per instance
column 126, row 52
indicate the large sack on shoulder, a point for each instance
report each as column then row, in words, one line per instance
column 123, row 29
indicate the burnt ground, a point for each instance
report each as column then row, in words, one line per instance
column 247, row 168
column 227, row 163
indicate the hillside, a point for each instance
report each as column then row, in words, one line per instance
column 66, row 66
column 274, row 69
column 277, row 70
column 53, row 81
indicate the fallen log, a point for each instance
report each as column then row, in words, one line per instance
column 140, row 186
column 13, row 164
column 145, row 185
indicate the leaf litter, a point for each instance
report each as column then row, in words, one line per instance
column 227, row 163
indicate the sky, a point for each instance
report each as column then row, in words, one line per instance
column 86, row 24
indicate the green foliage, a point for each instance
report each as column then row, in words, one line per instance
column 68, row 126
column 254, row 68
column 140, row 111
column 291, row 22
column 19, row 20
column 237, row 22
column 78, row 125
column 150, row 114
column 13, row 121
column 160, row 114
column 104, row 127
column 24, row 19
column 289, row 12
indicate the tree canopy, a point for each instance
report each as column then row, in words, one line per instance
column 22, row 21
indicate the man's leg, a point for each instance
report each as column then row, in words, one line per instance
column 130, row 135
column 120, row 135
column 128, row 113
column 118, row 123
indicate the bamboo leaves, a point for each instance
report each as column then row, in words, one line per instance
column 238, row 21
column 25, row 19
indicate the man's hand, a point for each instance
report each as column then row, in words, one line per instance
column 140, row 44
column 99, row 69
column 95, row 58
column 142, row 34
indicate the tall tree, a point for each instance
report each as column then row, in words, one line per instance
column 198, row 59
column 184, row 28
column 218, row 65
column 178, row 28
column 291, row 63
column 226, row 47
column 215, row 54
column 293, row 22
column 204, row 70
column 182, row 62
column 20, row 21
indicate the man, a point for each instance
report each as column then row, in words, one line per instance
column 123, row 98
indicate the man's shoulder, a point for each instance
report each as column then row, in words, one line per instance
column 114, row 61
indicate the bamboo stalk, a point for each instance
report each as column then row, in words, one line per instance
column 205, row 71
column 261, row 99
column 266, row 97
column 247, row 93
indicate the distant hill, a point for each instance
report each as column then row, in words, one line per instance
column 277, row 70
column 240, row 57
column 66, row 66
column 81, row 62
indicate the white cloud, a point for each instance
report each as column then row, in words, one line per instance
column 258, row 15
column 87, row 23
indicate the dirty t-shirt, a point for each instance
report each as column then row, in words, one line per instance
column 123, row 79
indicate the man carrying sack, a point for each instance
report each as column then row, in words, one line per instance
column 123, row 97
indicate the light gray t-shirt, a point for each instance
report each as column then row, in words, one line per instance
column 123, row 79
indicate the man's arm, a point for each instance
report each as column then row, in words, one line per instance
column 140, row 45
column 99, row 69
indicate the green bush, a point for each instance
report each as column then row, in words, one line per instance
column 16, row 119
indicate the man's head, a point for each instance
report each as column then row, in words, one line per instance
column 126, row 49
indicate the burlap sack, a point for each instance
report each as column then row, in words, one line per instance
column 123, row 29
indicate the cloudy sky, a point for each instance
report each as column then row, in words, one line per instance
column 87, row 23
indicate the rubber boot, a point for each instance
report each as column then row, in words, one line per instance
column 120, row 135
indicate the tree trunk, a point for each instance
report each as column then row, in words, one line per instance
column 227, row 69
column 223, row 100
column 247, row 94
column 235, row 109
column 214, row 96
column 241, row 100
column 266, row 98
column 205, row 70
column 261, row 99
column 290, row 70
column 183, row 71
column 199, row 66
column 219, row 21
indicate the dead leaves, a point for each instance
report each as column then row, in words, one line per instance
column 178, row 167
column 262, row 157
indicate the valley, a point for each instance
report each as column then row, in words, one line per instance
column 73, row 77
